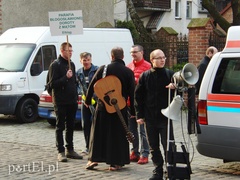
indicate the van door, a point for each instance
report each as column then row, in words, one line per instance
column 38, row 71
column 223, row 103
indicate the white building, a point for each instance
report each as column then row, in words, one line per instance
column 162, row 13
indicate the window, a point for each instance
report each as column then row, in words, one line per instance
column 228, row 77
column 201, row 8
column 43, row 59
column 14, row 57
column 189, row 10
column 177, row 9
column 49, row 55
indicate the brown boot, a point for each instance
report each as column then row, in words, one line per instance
column 62, row 157
column 73, row 155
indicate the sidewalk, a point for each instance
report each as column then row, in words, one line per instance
column 28, row 152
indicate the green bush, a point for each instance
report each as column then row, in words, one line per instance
column 178, row 67
column 129, row 25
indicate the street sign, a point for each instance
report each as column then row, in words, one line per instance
column 66, row 22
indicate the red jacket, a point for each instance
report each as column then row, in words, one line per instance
column 138, row 68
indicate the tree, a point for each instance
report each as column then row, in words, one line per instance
column 144, row 35
column 223, row 23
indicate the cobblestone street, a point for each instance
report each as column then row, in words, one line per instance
column 28, row 152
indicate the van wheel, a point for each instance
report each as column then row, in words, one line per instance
column 27, row 110
column 52, row 122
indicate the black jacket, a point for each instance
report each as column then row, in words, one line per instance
column 201, row 69
column 64, row 89
column 151, row 95
column 125, row 75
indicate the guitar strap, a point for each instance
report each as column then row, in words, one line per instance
column 104, row 71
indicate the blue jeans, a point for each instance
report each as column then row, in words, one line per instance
column 87, row 123
column 133, row 127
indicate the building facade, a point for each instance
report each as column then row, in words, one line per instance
column 162, row 13
column 16, row 13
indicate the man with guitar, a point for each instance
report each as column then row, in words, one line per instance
column 84, row 77
column 113, row 84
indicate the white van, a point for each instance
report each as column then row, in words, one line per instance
column 219, row 103
column 26, row 53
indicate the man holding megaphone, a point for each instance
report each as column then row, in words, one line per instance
column 151, row 95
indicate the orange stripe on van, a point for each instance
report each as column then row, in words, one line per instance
column 223, row 97
column 233, row 44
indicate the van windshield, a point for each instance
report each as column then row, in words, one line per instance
column 14, row 57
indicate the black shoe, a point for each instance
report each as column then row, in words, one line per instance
column 156, row 177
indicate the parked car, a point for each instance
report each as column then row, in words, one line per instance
column 46, row 110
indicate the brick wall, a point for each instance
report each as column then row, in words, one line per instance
column 198, row 39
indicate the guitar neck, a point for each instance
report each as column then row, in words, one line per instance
column 121, row 118
column 130, row 136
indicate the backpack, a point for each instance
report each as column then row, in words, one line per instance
column 48, row 87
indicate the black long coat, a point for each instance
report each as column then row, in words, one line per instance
column 201, row 69
column 108, row 141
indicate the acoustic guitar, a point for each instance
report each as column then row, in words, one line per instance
column 109, row 90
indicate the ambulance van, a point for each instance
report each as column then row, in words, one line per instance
column 219, row 103
column 25, row 56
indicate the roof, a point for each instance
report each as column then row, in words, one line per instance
column 152, row 23
column 233, row 40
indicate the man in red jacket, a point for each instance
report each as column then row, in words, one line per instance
column 138, row 65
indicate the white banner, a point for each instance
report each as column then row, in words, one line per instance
column 66, row 22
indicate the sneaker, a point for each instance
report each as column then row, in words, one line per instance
column 143, row 160
column 134, row 157
column 73, row 155
column 62, row 157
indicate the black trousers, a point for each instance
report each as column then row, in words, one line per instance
column 65, row 117
column 155, row 135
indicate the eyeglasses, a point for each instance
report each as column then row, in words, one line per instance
column 133, row 52
column 68, row 50
column 160, row 58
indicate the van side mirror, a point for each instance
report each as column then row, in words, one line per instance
column 36, row 69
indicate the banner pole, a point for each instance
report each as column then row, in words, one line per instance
column 69, row 64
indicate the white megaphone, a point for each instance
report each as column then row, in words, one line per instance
column 173, row 111
column 188, row 74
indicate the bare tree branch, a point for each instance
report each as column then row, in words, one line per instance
column 143, row 33
column 209, row 5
